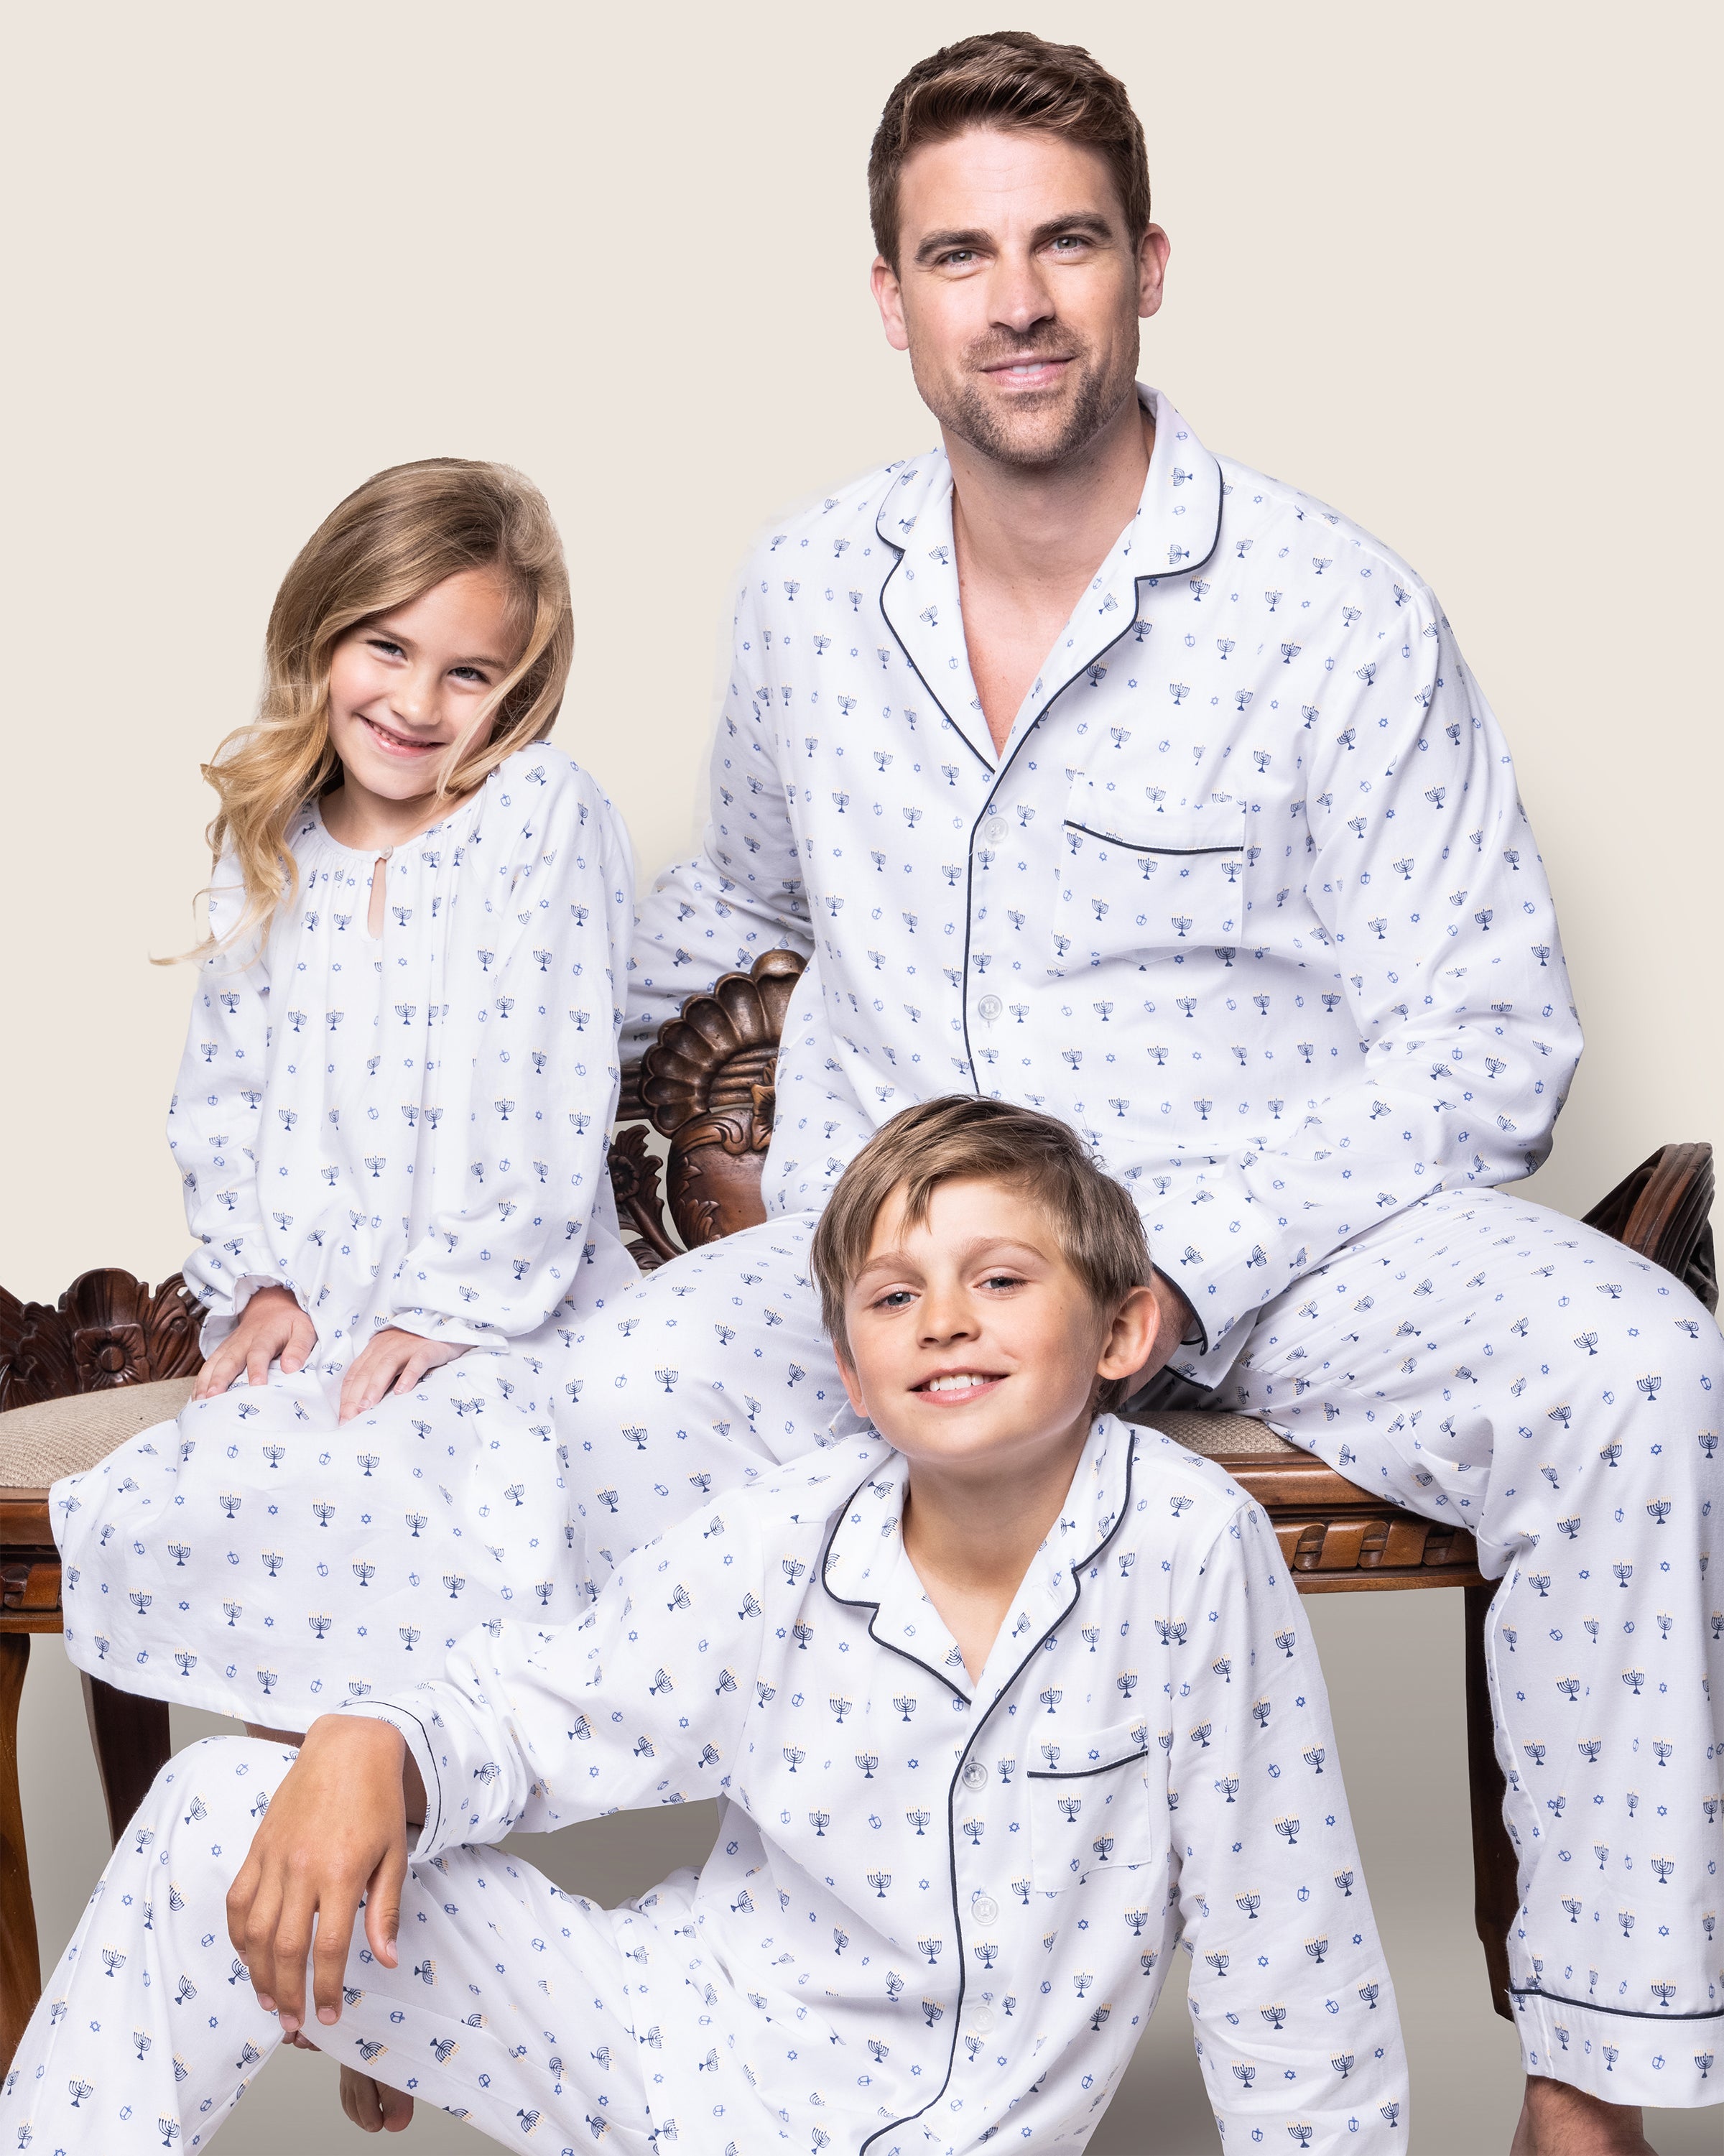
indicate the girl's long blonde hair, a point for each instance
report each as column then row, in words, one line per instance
column 404, row 531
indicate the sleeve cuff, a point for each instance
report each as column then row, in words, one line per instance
column 220, row 1323
column 412, row 1727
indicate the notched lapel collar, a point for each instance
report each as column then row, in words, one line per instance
column 919, row 597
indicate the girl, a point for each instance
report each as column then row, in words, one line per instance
column 391, row 1122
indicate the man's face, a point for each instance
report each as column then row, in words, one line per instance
column 1018, row 292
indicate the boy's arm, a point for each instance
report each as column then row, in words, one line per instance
column 1291, row 2006
column 640, row 1703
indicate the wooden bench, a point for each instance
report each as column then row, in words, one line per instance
column 112, row 1356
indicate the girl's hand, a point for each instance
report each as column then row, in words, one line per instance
column 392, row 1361
column 335, row 1833
column 271, row 1324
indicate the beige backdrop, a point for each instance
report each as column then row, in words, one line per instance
column 1452, row 270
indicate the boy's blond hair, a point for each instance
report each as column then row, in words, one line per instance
column 960, row 1139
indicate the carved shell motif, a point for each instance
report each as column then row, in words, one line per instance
column 109, row 1329
column 707, row 1084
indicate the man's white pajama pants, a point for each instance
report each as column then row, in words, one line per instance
column 509, row 2004
column 1477, row 1358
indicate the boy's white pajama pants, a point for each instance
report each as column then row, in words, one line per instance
column 509, row 2004
column 1477, row 1358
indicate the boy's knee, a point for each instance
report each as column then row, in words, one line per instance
column 205, row 1802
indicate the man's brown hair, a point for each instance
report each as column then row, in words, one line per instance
column 1009, row 78
column 960, row 1139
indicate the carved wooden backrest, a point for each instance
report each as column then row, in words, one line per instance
column 707, row 1085
column 109, row 1329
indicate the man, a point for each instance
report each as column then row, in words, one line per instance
column 1099, row 773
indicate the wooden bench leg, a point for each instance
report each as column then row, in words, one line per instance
column 20, row 1962
column 1496, row 1893
column 130, row 1735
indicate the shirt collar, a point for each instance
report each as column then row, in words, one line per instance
column 1174, row 531
column 866, row 1566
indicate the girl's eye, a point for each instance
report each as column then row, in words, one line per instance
column 386, row 645
column 470, row 674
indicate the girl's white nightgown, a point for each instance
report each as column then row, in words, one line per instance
column 407, row 1131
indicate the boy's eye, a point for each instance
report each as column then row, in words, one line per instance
column 894, row 1299
column 1004, row 1280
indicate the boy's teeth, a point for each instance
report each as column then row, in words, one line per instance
column 961, row 1384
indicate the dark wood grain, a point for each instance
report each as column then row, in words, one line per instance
column 20, row 1962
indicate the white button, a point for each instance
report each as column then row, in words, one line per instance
column 994, row 830
column 975, row 1775
column 984, row 1909
column 982, row 2019
column 990, row 1007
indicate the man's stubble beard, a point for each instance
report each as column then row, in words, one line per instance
column 1100, row 393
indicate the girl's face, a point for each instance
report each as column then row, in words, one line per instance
column 407, row 685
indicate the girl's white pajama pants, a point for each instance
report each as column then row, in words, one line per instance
column 1477, row 1358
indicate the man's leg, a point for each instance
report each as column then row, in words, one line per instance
column 1487, row 1362
column 508, row 2003
column 706, row 1373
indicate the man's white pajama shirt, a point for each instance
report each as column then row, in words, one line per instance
column 938, row 1913
column 1250, row 900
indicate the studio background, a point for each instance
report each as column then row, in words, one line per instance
column 1454, row 272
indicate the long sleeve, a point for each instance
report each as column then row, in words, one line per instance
column 743, row 894
column 1437, row 1040
column 640, row 1703
column 527, row 1109
column 1291, row 2000
column 212, row 1120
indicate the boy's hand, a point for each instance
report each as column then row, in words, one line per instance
column 271, row 1324
column 391, row 1362
column 336, row 1831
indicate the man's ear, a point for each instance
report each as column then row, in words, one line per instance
column 1131, row 1337
column 889, row 298
column 1152, row 252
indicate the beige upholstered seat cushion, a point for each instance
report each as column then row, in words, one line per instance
column 40, row 1443
column 1216, row 1436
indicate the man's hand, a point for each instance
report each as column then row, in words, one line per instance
column 336, row 1831
column 391, row 1362
column 1176, row 1316
column 271, row 1324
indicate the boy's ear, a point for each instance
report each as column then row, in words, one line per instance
column 852, row 1383
column 1132, row 1337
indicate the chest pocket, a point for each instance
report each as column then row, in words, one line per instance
column 1143, row 874
column 1097, row 1812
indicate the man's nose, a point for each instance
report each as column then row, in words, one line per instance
column 1018, row 298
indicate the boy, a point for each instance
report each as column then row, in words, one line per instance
column 1002, row 1695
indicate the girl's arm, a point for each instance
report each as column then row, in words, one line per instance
column 214, row 1117
column 530, row 1068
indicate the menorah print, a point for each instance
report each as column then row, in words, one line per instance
column 253, row 1113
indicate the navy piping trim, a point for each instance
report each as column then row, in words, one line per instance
column 1082, row 1774
column 1622, row 2013
column 1075, row 1572
column 858, row 1602
column 1133, row 846
column 407, row 1714
column 939, row 704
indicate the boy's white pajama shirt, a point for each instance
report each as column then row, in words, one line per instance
column 1250, row 900
column 939, row 1911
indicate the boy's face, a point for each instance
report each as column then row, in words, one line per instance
column 972, row 1337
